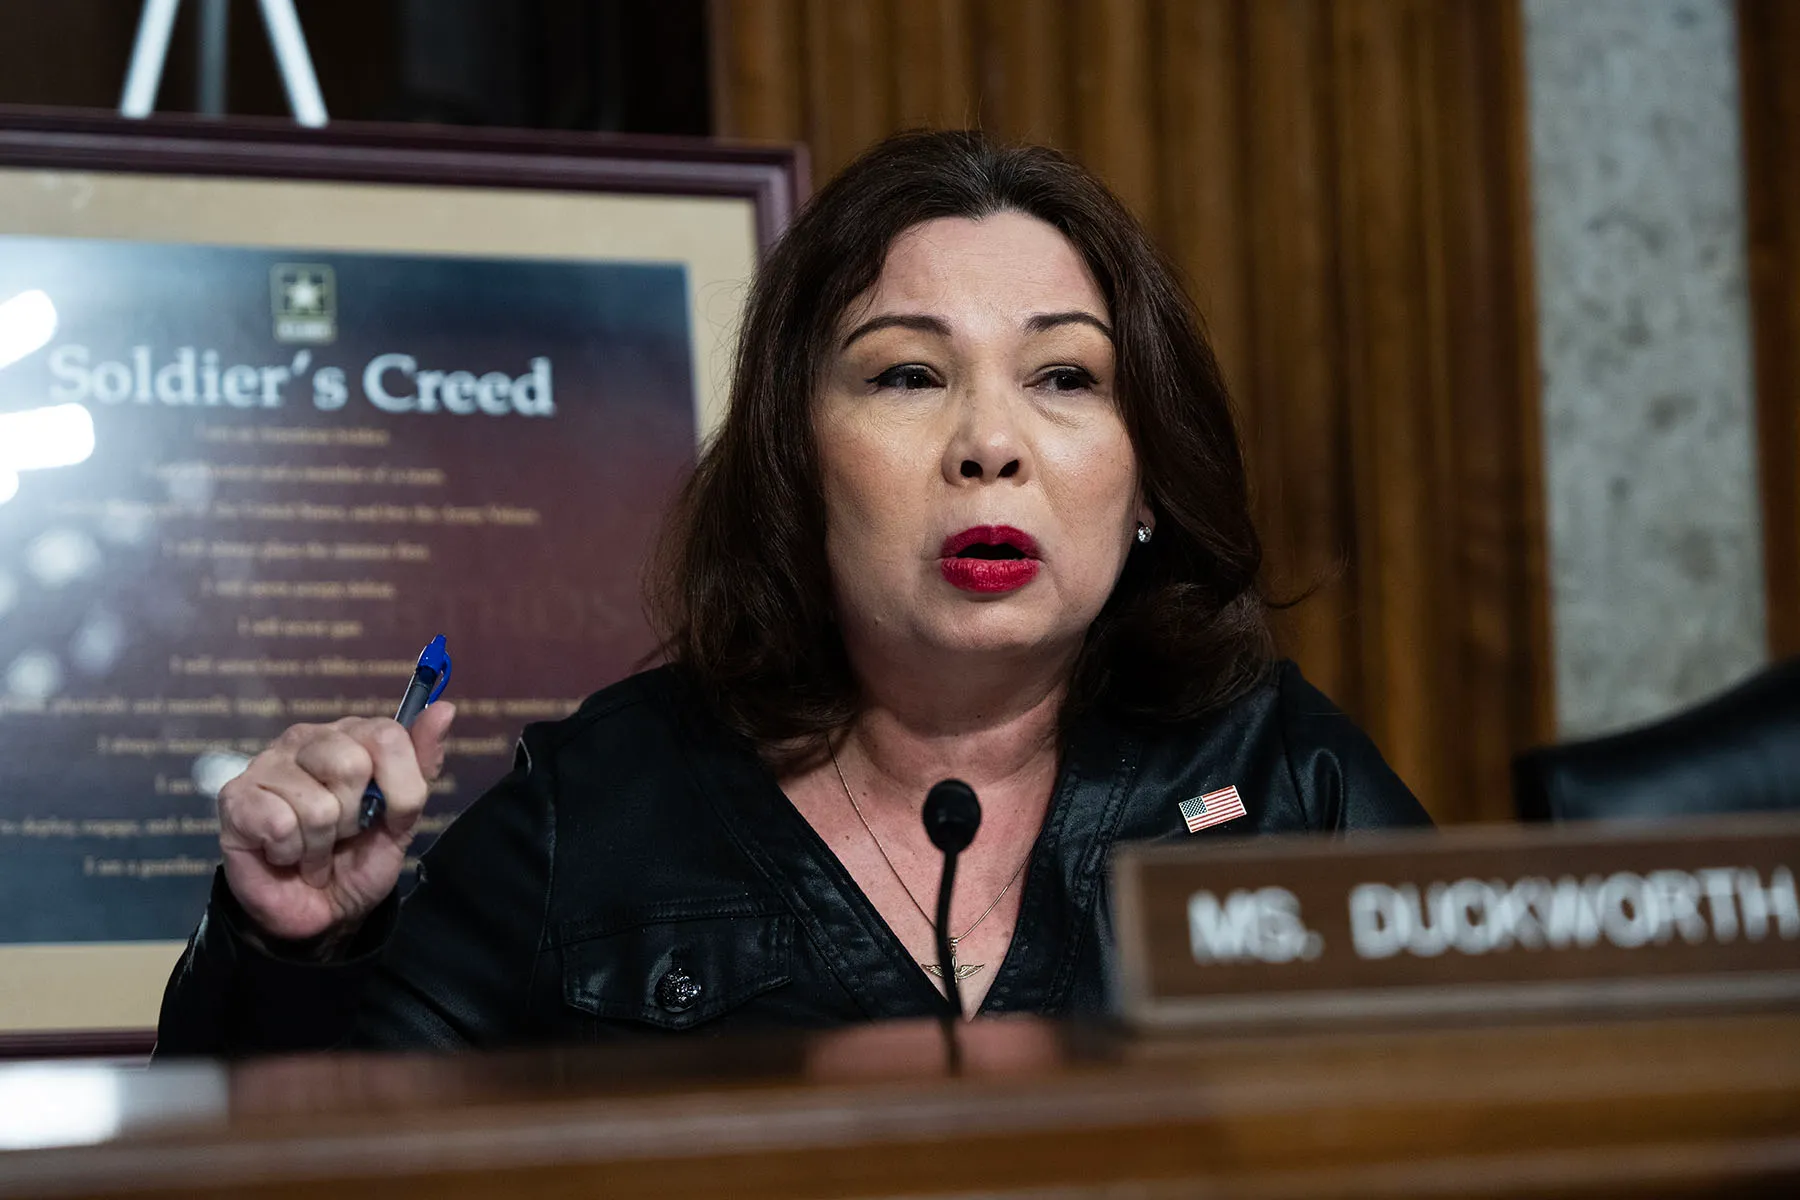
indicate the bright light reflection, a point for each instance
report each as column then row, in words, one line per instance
column 9, row 484
column 35, row 675
column 216, row 768
column 57, row 1106
column 125, row 524
column 58, row 557
column 97, row 645
column 27, row 323
column 38, row 438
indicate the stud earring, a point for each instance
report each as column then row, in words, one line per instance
column 1143, row 534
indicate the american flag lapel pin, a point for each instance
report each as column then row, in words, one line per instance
column 1212, row 808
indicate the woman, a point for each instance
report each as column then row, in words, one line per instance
column 978, row 510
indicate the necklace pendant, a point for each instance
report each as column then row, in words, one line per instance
column 960, row 971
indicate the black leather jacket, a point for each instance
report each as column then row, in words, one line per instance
column 639, row 870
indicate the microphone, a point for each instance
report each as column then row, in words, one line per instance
column 952, row 815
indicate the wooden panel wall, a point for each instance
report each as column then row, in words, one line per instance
column 65, row 52
column 1768, row 41
column 1344, row 183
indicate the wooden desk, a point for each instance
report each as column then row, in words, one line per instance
column 1672, row 1107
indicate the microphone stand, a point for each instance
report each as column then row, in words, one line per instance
column 950, row 1021
column 946, row 959
column 952, row 815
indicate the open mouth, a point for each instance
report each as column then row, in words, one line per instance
column 990, row 550
column 989, row 558
column 990, row 543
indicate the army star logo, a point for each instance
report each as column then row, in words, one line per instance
column 304, row 299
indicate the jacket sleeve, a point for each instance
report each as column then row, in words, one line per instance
column 449, row 967
column 1343, row 782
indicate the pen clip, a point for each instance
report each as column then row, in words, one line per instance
column 436, row 659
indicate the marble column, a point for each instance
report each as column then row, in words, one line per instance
column 1638, row 221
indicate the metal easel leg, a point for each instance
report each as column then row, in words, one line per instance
column 289, row 44
column 151, row 51
column 214, row 47
column 148, row 54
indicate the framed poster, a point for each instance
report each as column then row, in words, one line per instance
column 277, row 406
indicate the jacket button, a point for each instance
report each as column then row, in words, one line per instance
column 677, row 991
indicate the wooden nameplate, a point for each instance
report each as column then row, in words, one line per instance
column 1491, row 921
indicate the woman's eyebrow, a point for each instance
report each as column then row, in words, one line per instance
column 1042, row 321
column 920, row 322
column 1037, row 323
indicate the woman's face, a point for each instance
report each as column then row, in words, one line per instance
column 981, row 491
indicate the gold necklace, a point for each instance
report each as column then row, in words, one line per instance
column 960, row 971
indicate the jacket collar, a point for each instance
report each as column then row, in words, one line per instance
column 1063, row 883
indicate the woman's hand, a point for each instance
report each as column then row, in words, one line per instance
column 294, row 857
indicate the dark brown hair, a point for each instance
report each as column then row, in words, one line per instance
column 741, row 592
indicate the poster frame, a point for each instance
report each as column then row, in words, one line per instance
column 772, row 178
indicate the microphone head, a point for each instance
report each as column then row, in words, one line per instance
column 952, row 815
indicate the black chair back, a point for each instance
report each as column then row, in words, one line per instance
column 1738, row 752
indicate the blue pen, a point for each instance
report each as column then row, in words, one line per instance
column 428, row 681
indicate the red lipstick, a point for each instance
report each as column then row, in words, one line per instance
column 989, row 558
